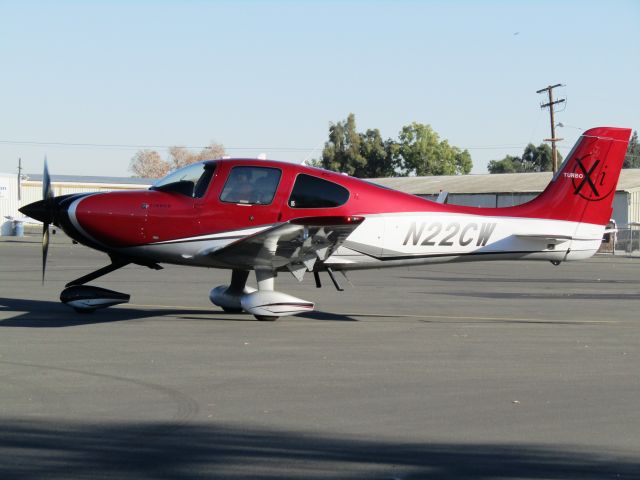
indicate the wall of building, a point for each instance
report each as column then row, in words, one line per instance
column 8, row 201
column 626, row 205
column 634, row 206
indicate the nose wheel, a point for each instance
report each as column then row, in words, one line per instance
column 86, row 298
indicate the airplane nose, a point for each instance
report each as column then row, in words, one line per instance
column 40, row 210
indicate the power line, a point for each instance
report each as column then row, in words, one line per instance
column 135, row 147
column 34, row 143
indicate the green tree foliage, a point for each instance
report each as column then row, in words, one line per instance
column 632, row 158
column 422, row 153
column 418, row 151
column 379, row 155
column 508, row 164
column 533, row 159
column 342, row 152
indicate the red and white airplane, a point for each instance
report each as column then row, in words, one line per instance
column 271, row 217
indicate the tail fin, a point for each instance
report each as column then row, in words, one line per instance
column 584, row 187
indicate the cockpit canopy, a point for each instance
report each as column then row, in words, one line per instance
column 191, row 180
column 254, row 185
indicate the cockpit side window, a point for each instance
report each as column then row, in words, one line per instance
column 192, row 180
column 314, row 192
column 251, row 185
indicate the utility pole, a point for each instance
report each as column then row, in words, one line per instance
column 553, row 139
column 19, row 178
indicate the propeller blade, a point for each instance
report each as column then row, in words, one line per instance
column 47, row 197
column 45, row 247
column 47, row 192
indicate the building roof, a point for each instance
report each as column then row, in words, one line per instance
column 37, row 177
column 490, row 183
column 483, row 183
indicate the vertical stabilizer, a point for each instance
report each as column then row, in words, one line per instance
column 585, row 185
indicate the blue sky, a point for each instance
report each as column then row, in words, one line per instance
column 261, row 76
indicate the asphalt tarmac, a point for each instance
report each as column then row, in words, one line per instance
column 509, row 370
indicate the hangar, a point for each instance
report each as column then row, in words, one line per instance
column 507, row 189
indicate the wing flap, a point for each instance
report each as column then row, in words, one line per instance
column 295, row 245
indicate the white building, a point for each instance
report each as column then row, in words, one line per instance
column 31, row 191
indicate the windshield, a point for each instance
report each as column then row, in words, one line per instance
column 198, row 174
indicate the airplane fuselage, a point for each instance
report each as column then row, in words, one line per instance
column 398, row 229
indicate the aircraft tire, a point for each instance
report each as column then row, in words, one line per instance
column 232, row 310
column 266, row 318
column 84, row 310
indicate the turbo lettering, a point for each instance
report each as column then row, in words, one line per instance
column 447, row 235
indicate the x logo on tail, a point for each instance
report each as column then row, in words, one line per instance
column 587, row 177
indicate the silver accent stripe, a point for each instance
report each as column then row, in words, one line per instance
column 71, row 211
column 217, row 236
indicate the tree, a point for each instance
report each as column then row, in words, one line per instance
column 148, row 164
column 212, row 152
column 419, row 151
column 422, row 153
column 342, row 152
column 378, row 153
column 533, row 159
column 181, row 156
column 506, row 165
column 632, row 158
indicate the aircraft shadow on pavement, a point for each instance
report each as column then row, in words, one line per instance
column 544, row 281
column 34, row 449
column 545, row 295
column 49, row 314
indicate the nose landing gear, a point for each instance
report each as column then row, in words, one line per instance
column 86, row 298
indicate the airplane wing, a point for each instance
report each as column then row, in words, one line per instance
column 294, row 245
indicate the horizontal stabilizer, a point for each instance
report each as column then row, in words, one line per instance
column 555, row 239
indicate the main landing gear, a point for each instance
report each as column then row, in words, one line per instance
column 264, row 303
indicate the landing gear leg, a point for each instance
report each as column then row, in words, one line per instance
column 266, row 304
column 238, row 282
column 265, row 279
column 115, row 265
column 87, row 299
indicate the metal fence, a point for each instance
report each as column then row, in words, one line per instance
column 624, row 241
